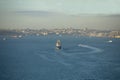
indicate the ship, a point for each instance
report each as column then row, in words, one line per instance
column 58, row 44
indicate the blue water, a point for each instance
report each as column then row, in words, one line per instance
column 81, row 58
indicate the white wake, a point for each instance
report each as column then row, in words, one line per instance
column 93, row 49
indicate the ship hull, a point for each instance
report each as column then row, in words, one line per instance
column 58, row 47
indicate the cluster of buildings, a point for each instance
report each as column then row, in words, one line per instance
column 64, row 31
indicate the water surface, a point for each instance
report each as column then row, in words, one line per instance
column 81, row 58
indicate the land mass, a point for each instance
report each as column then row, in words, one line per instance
column 64, row 31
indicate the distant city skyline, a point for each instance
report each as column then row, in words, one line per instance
column 37, row 14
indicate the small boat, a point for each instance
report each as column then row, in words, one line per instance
column 58, row 44
column 4, row 38
column 110, row 41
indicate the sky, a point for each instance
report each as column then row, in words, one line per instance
column 37, row 14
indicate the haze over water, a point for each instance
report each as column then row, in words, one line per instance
column 26, row 55
column 95, row 14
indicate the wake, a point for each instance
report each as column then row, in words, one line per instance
column 64, row 56
column 93, row 49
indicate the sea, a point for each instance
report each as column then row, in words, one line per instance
column 34, row 57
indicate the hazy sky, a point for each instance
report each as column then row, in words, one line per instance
column 98, row 14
